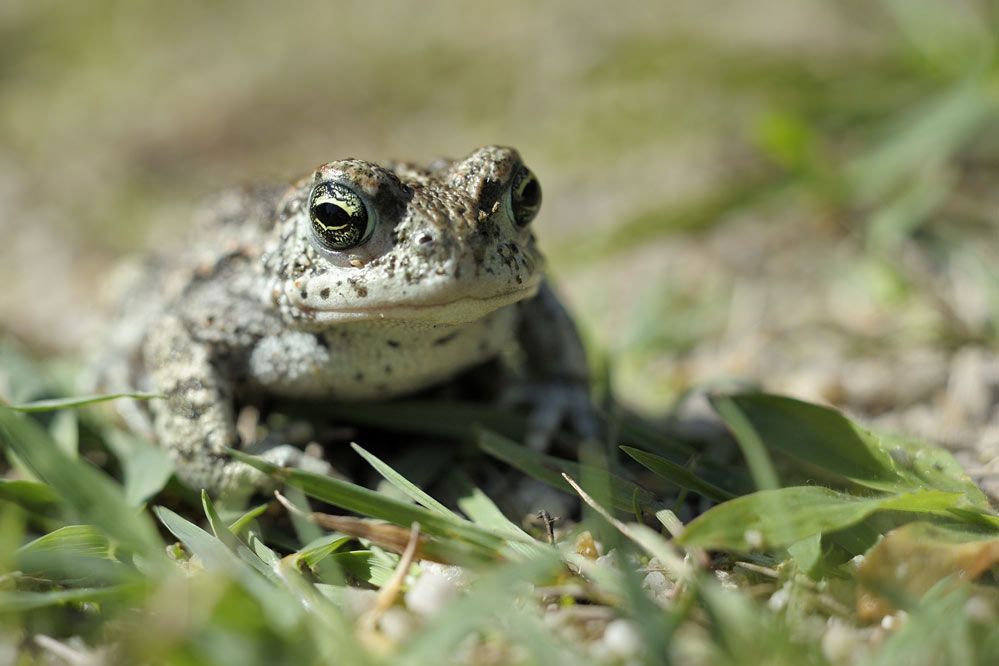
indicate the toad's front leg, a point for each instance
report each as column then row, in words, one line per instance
column 195, row 422
column 558, row 376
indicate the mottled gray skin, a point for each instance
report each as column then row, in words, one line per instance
column 256, row 305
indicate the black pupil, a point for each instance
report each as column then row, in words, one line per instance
column 526, row 198
column 336, row 228
column 531, row 195
column 331, row 215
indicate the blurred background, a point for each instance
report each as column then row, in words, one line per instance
column 797, row 193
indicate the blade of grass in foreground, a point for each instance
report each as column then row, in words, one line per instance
column 86, row 491
column 221, row 561
column 403, row 484
column 75, row 554
column 490, row 598
column 482, row 542
column 21, row 601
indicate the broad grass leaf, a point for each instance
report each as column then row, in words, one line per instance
column 827, row 439
column 779, row 518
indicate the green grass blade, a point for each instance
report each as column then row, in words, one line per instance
column 679, row 476
column 762, row 470
column 31, row 495
column 77, row 401
column 219, row 528
column 548, row 469
column 75, row 554
column 222, row 562
column 367, row 502
column 403, row 484
column 146, row 468
column 86, row 491
column 21, row 601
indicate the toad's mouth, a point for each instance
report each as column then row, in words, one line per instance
column 457, row 310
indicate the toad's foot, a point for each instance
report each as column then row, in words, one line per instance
column 552, row 404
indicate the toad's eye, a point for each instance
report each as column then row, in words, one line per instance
column 340, row 219
column 525, row 197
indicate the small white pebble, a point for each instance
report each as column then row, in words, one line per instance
column 726, row 580
column 892, row 622
column 839, row 643
column 608, row 560
column 621, row 639
column 357, row 601
column 778, row 600
column 430, row 593
column 754, row 538
column 396, row 623
column 979, row 610
column 656, row 583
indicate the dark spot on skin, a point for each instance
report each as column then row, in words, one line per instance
column 457, row 272
column 359, row 286
column 393, row 343
column 325, row 293
column 388, row 369
column 446, row 339
column 382, row 388
column 359, row 377
column 483, row 347
column 304, row 293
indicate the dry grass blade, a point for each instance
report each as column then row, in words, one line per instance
column 392, row 538
column 390, row 591
column 654, row 544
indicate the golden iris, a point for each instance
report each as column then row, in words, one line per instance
column 339, row 217
column 525, row 196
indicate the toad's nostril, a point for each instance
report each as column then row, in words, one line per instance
column 424, row 239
